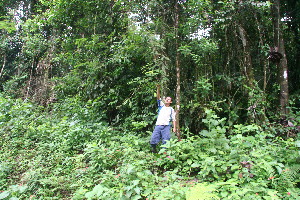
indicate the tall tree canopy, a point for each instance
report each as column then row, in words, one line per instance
column 207, row 54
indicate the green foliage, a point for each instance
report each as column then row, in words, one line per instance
column 69, row 153
column 7, row 25
column 112, row 53
column 99, row 62
column 202, row 191
column 13, row 192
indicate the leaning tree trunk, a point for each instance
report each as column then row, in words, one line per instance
column 282, row 64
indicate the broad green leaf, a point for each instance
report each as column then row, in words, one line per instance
column 4, row 194
column 297, row 143
column 194, row 165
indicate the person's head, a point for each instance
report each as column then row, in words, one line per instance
column 168, row 101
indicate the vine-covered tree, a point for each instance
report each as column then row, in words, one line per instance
column 207, row 54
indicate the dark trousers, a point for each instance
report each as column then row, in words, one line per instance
column 161, row 132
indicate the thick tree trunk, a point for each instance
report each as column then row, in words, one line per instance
column 282, row 65
column 283, row 81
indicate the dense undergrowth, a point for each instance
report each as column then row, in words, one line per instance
column 66, row 153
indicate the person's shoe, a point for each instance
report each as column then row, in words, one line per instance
column 153, row 151
column 153, row 148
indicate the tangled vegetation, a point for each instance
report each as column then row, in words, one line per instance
column 77, row 99
column 64, row 154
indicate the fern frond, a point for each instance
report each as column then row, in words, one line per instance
column 289, row 177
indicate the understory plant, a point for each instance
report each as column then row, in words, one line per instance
column 61, row 155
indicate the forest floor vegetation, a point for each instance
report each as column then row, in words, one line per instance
column 65, row 154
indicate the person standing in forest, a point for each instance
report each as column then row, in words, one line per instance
column 166, row 117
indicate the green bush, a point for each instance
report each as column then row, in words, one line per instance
column 66, row 153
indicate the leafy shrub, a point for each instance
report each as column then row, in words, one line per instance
column 63, row 155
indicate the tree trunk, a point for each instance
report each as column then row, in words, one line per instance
column 282, row 64
column 247, row 56
column 263, row 59
column 177, row 71
column 4, row 63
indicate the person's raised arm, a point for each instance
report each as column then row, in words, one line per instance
column 158, row 92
